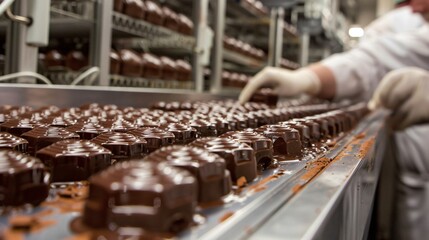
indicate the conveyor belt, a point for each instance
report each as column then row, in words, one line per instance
column 294, row 200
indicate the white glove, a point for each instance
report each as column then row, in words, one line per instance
column 406, row 92
column 286, row 83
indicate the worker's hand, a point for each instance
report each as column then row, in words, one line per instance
column 406, row 92
column 286, row 83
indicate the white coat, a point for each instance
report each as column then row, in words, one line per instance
column 359, row 70
column 399, row 20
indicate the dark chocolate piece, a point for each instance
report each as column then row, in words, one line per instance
column 155, row 137
column 118, row 124
column 88, row 130
column 54, row 60
column 124, row 146
column 286, row 140
column 183, row 70
column 186, row 26
column 152, row 66
column 239, row 157
column 265, row 95
column 169, row 68
column 132, row 64
column 208, row 168
column 74, row 160
column 76, row 60
column 262, row 146
column 154, row 13
column 115, row 62
column 41, row 137
column 66, row 120
column 134, row 8
column 12, row 142
column 19, row 126
column 24, row 179
column 304, row 131
column 183, row 133
column 118, row 5
column 204, row 128
column 141, row 194
column 171, row 20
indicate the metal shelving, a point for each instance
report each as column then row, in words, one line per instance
column 140, row 28
column 242, row 59
column 267, row 31
column 103, row 26
column 175, row 44
column 239, row 9
column 138, row 34
column 72, row 18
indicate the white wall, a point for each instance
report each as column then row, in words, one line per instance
column 384, row 6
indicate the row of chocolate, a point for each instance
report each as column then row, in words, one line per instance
column 146, row 65
column 152, row 12
column 255, row 6
column 123, row 62
column 53, row 60
column 234, row 79
column 244, row 48
column 285, row 63
column 225, row 142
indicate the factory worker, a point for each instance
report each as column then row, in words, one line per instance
column 402, row 62
column 354, row 74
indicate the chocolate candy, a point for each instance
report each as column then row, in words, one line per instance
column 118, row 124
column 155, row 137
column 115, row 62
column 60, row 121
column 154, row 13
column 208, row 168
column 23, row 179
column 183, row 133
column 204, row 128
column 304, row 131
column 262, row 146
column 171, row 19
column 169, row 68
column 12, row 142
column 286, row 140
column 19, row 126
column 132, row 64
column 183, row 70
column 134, row 8
column 41, row 137
column 74, row 160
column 118, row 5
column 54, row 59
column 124, row 146
column 186, row 26
column 88, row 130
column 152, row 66
column 75, row 60
column 265, row 95
column 141, row 194
column 239, row 157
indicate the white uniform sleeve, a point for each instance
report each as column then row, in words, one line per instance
column 358, row 71
column 389, row 23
